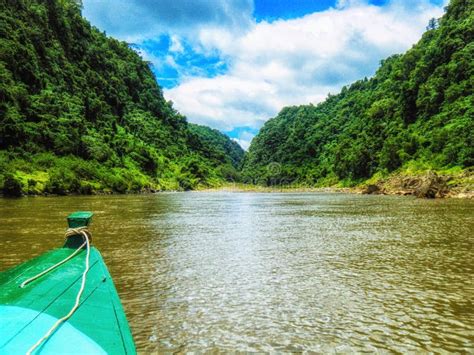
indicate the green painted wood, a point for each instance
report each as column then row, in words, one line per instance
column 100, row 315
column 79, row 219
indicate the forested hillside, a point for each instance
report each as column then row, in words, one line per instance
column 82, row 112
column 225, row 153
column 416, row 112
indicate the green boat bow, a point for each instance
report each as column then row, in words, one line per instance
column 27, row 313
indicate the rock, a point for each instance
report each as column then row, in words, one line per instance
column 371, row 189
column 466, row 195
column 431, row 186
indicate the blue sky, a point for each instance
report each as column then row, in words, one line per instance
column 234, row 64
column 271, row 10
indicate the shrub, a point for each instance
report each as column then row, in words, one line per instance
column 12, row 186
column 62, row 181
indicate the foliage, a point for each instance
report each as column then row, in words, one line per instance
column 86, row 111
column 223, row 153
column 418, row 107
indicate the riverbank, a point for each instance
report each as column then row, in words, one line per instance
column 425, row 184
column 421, row 184
column 48, row 174
column 428, row 184
column 240, row 187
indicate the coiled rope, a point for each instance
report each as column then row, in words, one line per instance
column 70, row 232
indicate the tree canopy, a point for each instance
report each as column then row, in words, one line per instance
column 418, row 108
column 81, row 112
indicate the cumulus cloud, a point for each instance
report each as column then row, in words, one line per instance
column 296, row 61
column 136, row 20
column 224, row 69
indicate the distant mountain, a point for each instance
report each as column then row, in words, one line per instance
column 82, row 112
column 416, row 111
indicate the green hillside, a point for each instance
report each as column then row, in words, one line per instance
column 415, row 113
column 82, row 112
column 226, row 154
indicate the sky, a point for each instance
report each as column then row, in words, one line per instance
column 234, row 64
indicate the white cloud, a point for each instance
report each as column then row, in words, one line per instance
column 295, row 61
column 243, row 143
column 244, row 139
column 176, row 45
column 136, row 20
column 269, row 64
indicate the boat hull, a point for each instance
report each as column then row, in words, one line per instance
column 97, row 326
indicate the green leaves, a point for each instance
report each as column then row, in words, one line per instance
column 419, row 107
column 95, row 106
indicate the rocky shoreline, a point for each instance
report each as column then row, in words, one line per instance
column 428, row 185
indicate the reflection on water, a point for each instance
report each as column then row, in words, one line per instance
column 273, row 272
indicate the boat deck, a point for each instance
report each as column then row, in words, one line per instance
column 97, row 326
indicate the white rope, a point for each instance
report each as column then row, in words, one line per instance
column 26, row 282
column 70, row 231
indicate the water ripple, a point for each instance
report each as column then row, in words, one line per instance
column 320, row 273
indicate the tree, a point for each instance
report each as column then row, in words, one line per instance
column 432, row 24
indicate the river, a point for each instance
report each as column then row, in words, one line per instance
column 273, row 271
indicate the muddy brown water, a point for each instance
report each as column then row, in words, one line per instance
column 288, row 272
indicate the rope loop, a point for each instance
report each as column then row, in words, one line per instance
column 70, row 232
